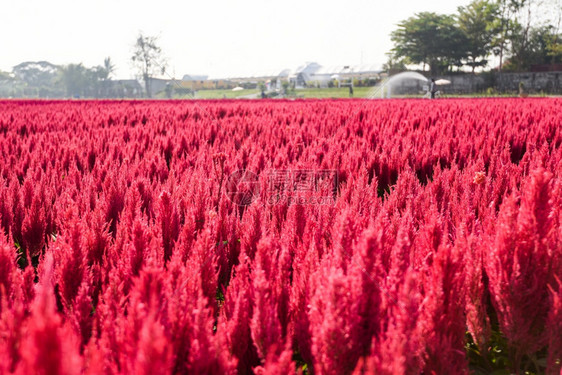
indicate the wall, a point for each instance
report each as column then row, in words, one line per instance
column 547, row 82
column 533, row 82
column 466, row 83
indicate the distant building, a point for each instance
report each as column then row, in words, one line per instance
column 304, row 74
column 314, row 74
column 194, row 77
column 157, row 85
column 188, row 84
column 308, row 74
column 201, row 82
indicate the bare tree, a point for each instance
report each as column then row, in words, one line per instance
column 148, row 59
column 505, row 25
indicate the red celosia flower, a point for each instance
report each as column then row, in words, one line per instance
column 119, row 253
column 49, row 346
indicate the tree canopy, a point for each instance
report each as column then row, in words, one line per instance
column 476, row 21
column 430, row 39
column 514, row 30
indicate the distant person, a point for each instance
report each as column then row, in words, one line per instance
column 432, row 88
column 522, row 93
column 350, row 91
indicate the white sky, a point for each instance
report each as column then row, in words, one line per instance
column 221, row 38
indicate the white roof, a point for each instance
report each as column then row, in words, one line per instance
column 348, row 69
column 311, row 69
column 308, row 68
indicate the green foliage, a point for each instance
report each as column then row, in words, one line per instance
column 261, row 87
column 75, row 78
column 36, row 79
column 80, row 81
column 498, row 356
column 554, row 47
column 395, row 63
column 505, row 26
column 509, row 29
column 107, row 69
column 476, row 21
column 45, row 80
column 36, row 73
column 540, row 47
column 498, row 359
column 430, row 38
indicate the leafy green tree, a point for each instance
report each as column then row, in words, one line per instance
column 148, row 59
column 75, row 79
column 535, row 36
column 8, row 84
column 525, row 38
column 554, row 44
column 505, row 26
column 554, row 47
column 36, row 73
column 394, row 63
column 476, row 21
column 108, row 68
column 537, row 49
column 80, row 81
column 430, row 39
column 101, row 77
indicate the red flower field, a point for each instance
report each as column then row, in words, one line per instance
column 275, row 237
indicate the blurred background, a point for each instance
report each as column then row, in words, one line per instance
column 253, row 49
